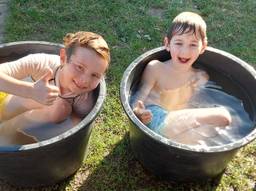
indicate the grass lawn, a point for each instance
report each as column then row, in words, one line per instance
column 132, row 27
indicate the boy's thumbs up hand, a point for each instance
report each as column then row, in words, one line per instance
column 43, row 92
column 142, row 113
column 139, row 107
column 47, row 76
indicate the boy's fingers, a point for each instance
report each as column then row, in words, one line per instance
column 54, row 89
column 50, row 101
column 69, row 94
column 47, row 76
column 140, row 104
column 137, row 111
column 146, row 113
column 146, row 117
column 146, row 120
column 53, row 95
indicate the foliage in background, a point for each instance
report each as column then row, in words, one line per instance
column 132, row 27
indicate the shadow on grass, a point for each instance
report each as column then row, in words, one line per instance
column 121, row 171
column 7, row 186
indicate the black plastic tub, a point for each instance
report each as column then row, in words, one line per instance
column 50, row 161
column 179, row 162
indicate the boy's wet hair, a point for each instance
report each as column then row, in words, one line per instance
column 187, row 22
column 87, row 40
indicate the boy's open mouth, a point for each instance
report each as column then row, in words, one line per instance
column 183, row 60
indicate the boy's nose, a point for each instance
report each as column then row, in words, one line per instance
column 84, row 81
column 184, row 52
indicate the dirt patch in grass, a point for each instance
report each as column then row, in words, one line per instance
column 156, row 12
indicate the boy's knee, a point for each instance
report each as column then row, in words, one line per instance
column 60, row 113
column 226, row 116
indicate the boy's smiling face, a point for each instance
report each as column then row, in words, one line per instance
column 82, row 72
column 185, row 49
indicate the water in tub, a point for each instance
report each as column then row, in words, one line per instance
column 39, row 133
column 211, row 95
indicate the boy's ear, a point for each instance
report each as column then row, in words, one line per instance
column 203, row 48
column 167, row 44
column 63, row 56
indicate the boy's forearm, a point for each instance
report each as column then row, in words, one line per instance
column 14, row 86
column 140, row 95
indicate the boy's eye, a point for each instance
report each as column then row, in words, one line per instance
column 79, row 68
column 96, row 75
column 194, row 45
column 178, row 43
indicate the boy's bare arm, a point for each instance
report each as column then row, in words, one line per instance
column 36, row 117
column 202, row 78
column 148, row 80
column 14, row 86
column 39, row 91
column 147, row 83
column 12, row 73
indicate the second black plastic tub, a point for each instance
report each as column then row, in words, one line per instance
column 50, row 161
column 180, row 162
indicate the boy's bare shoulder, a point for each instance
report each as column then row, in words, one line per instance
column 202, row 77
column 155, row 63
column 153, row 70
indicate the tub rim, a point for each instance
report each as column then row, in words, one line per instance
column 124, row 95
column 82, row 124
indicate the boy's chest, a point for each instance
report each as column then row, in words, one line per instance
column 175, row 99
column 172, row 83
column 174, row 94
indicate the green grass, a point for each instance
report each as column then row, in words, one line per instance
column 130, row 29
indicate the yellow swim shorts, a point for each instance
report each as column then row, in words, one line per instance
column 3, row 96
